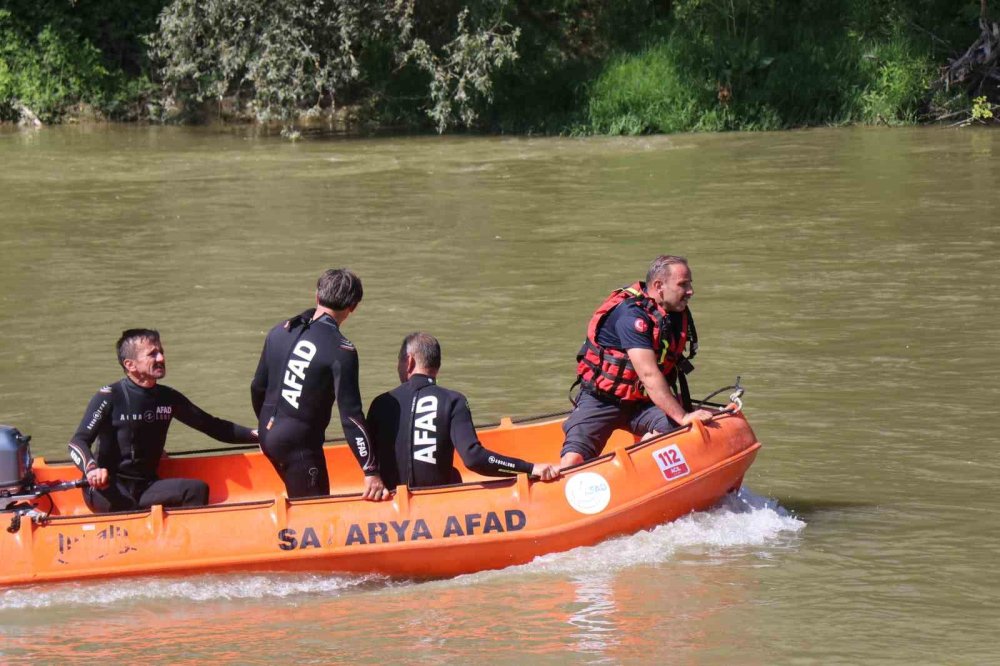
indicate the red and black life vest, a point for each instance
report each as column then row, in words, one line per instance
column 607, row 372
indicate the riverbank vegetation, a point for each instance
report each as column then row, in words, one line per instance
column 546, row 66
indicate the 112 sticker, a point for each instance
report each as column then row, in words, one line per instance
column 671, row 462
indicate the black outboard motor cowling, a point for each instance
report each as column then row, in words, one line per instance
column 15, row 460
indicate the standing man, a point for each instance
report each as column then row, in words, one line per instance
column 305, row 366
column 419, row 425
column 633, row 353
column 131, row 418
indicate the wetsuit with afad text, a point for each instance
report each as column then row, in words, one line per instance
column 129, row 423
column 306, row 366
column 418, row 426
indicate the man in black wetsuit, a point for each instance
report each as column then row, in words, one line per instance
column 419, row 425
column 305, row 366
column 129, row 419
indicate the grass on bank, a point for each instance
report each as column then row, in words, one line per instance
column 683, row 85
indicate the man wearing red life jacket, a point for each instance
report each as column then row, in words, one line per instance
column 634, row 350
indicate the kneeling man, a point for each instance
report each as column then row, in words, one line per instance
column 418, row 426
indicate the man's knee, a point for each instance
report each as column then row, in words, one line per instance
column 175, row 492
column 574, row 453
column 113, row 498
column 587, row 428
column 651, row 419
column 100, row 502
column 195, row 493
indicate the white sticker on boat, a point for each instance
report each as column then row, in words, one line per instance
column 588, row 492
column 671, row 462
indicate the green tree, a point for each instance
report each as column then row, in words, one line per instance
column 282, row 59
column 58, row 54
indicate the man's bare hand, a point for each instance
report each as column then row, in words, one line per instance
column 98, row 478
column 375, row 490
column 545, row 471
column 702, row 415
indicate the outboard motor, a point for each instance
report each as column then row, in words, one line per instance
column 15, row 461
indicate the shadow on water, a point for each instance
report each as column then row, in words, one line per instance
column 808, row 507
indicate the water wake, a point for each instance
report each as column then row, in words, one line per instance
column 740, row 521
column 203, row 587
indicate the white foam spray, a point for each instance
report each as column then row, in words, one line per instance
column 739, row 521
column 202, row 587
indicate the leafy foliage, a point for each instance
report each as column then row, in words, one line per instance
column 645, row 93
column 982, row 110
column 48, row 71
column 58, row 54
column 564, row 44
column 582, row 66
column 281, row 58
column 768, row 64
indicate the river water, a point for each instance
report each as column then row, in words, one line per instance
column 848, row 275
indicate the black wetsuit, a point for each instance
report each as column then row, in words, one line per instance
column 417, row 428
column 130, row 424
column 306, row 365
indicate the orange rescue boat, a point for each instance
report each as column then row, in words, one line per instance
column 430, row 532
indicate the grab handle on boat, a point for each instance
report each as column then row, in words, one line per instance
column 701, row 429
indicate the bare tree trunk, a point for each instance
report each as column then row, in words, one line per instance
column 976, row 73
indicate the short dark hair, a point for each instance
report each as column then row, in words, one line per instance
column 424, row 347
column 129, row 341
column 662, row 264
column 339, row 289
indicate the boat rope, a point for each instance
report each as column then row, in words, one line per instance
column 736, row 397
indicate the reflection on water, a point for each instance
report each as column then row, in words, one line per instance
column 594, row 620
column 848, row 275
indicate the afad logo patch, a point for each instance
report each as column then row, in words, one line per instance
column 640, row 325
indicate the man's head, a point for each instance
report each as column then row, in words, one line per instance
column 141, row 355
column 668, row 282
column 420, row 353
column 339, row 289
